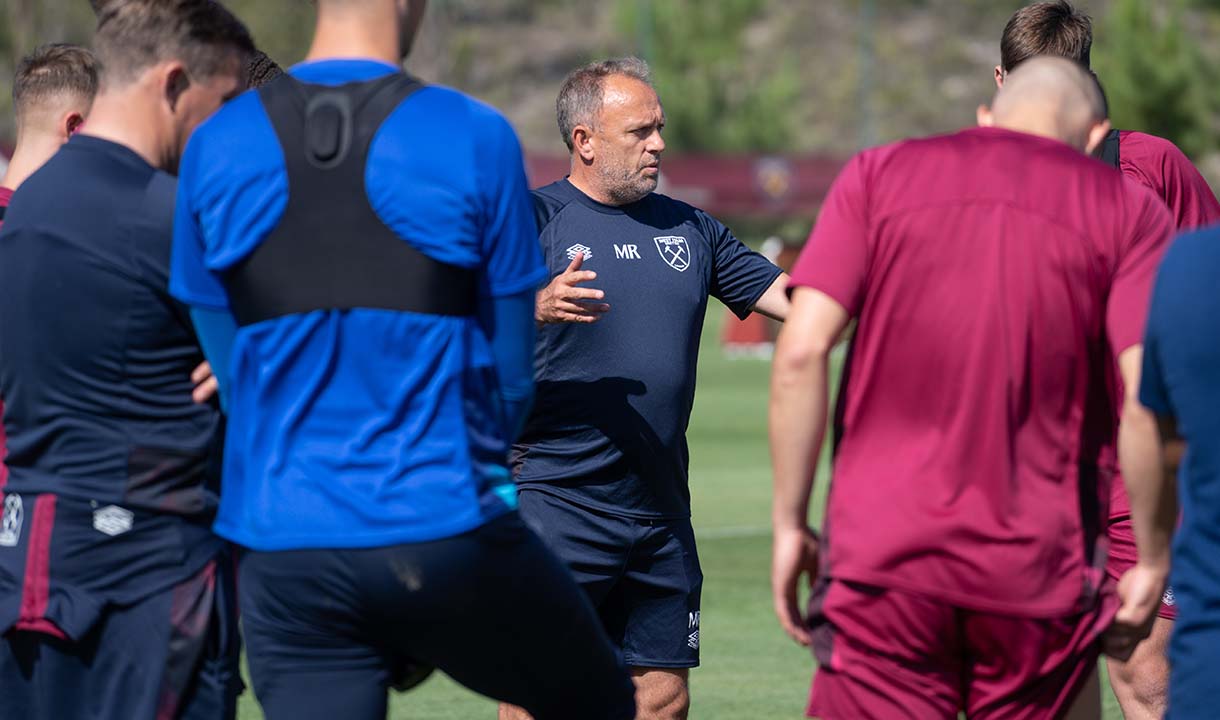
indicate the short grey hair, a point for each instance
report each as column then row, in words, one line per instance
column 580, row 98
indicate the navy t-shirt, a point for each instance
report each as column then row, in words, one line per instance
column 1181, row 379
column 613, row 398
column 95, row 366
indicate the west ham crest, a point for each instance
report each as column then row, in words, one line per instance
column 674, row 251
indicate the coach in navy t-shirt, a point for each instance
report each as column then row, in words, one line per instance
column 603, row 457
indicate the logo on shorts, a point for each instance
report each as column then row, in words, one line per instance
column 112, row 520
column 674, row 251
column 579, row 249
column 10, row 525
column 1168, row 598
column 692, row 640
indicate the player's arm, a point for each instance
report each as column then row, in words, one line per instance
column 512, row 267
column 216, row 330
column 1153, row 500
column 828, row 282
column 509, row 324
column 192, row 283
column 798, row 417
column 1153, row 513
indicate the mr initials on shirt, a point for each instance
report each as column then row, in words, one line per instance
column 627, row 252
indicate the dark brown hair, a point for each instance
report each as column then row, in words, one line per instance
column 51, row 71
column 1046, row 28
column 134, row 35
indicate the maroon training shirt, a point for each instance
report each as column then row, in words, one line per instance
column 988, row 269
column 5, row 196
column 1160, row 166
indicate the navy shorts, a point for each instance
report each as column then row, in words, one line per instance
column 328, row 632
column 174, row 654
column 643, row 576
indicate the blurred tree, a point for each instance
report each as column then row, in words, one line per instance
column 1155, row 75
column 715, row 98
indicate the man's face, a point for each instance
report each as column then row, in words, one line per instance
column 627, row 139
column 201, row 98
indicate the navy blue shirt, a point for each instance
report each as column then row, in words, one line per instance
column 1181, row 379
column 96, row 358
column 363, row 427
column 613, row 398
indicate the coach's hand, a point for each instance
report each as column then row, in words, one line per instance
column 563, row 301
column 794, row 554
column 205, row 383
column 1139, row 592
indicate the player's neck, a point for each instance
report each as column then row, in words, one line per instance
column 356, row 33
column 123, row 118
column 583, row 180
column 32, row 152
column 1039, row 126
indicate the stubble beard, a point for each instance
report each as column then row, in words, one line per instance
column 625, row 186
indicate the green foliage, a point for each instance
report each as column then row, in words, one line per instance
column 714, row 99
column 1156, row 77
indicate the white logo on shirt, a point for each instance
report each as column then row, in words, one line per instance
column 627, row 252
column 674, row 251
column 10, row 526
column 112, row 520
column 1168, row 598
column 579, row 249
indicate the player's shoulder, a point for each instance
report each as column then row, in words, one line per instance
column 157, row 203
column 237, row 140
column 1135, row 146
column 452, row 112
column 231, row 125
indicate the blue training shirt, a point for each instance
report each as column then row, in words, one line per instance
column 363, row 427
column 1181, row 379
column 613, row 398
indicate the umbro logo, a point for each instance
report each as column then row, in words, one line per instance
column 579, row 249
column 112, row 520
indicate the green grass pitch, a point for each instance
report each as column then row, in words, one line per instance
column 750, row 669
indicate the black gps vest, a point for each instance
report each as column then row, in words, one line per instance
column 1109, row 149
column 330, row 251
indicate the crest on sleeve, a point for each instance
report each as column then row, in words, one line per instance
column 674, row 251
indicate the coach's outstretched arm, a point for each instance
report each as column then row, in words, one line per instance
column 798, row 415
column 774, row 302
